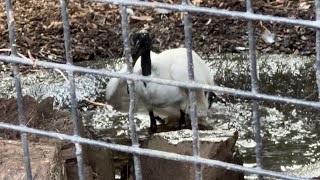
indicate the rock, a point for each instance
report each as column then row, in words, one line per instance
column 43, row 116
column 40, row 116
column 311, row 171
column 46, row 161
column 9, row 114
column 213, row 145
column 101, row 160
column 72, row 171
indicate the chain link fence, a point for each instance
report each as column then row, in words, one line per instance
column 185, row 7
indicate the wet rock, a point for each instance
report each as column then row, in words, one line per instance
column 46, row 161
column 111, row 125
column 213, row 145
column 311, row 171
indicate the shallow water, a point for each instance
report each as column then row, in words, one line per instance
column 290, row 134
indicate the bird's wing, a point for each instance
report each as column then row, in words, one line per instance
column 179, row 68
column 114, row 84
column 202, row 71
column 202, row 74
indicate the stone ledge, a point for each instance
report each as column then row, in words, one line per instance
column 46, row 161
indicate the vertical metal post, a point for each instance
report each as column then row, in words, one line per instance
column 133, row 131
column 16, row 73
column 254, row 87
column 192, row 95
column 74, row 104
column 317, row 4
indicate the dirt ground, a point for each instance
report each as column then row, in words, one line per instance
column 96, row 28
column 38, row 115
column 41, row 115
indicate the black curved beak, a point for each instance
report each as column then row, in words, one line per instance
column 135, row 52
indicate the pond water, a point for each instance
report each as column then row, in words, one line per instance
column 290, row 134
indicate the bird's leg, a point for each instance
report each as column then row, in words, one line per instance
column 161, row 120
column 182, row 120
column 153, row 122
column 212, row 97
column 128, row 89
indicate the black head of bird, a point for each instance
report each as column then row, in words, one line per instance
column 140, row 43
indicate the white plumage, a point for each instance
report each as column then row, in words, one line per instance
column 171, row 65
column 115, row 84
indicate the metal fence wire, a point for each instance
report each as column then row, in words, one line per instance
column 135, row 149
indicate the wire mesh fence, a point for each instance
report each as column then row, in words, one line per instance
column 186, row 8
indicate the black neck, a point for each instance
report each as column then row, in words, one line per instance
column 146, row 63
